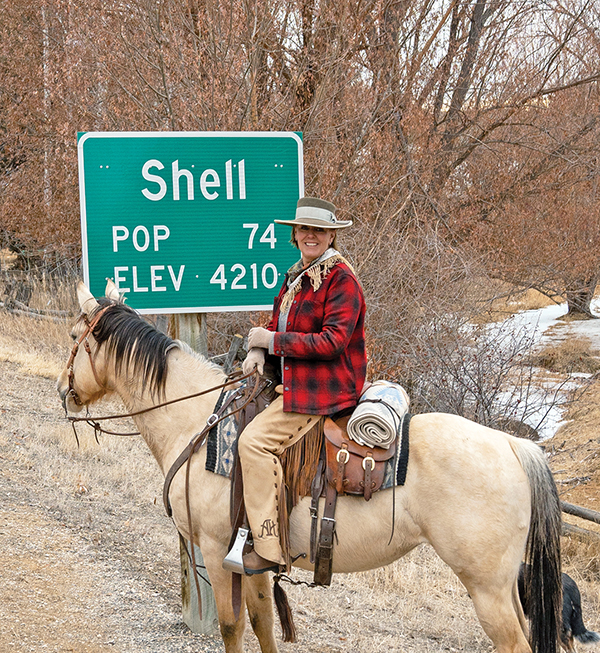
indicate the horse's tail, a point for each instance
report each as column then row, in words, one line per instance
column 542, row 581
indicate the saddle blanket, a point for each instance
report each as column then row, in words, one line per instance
column 221, row 443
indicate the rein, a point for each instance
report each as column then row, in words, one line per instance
column 94, row 421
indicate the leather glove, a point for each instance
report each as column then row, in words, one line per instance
column 259, row 337
column 255, row 358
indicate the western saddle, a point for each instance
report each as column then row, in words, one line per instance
column 325, row 463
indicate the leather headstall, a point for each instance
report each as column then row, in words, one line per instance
column 89, row 327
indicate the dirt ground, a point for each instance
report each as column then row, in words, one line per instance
column 89, row 564
column 75, row 573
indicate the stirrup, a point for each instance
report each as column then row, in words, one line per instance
column 234, row 561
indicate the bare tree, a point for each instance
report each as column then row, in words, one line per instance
column 458, row 135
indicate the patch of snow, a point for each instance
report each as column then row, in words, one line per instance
column 551, row 423
column 539, row 322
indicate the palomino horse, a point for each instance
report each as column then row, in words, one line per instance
column 481, row 498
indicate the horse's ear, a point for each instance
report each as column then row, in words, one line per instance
column 87, row 301
column 112, row 292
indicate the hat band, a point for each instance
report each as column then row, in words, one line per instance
column 316, row 214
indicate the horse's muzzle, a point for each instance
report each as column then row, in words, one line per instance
column 69, row 403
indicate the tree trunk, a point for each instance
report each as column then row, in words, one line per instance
column 579, row 297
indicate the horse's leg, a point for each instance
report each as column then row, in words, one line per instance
column 259, row 600
column 232, row 629
column 256, row 595
column 489, row 573
column 489, row 569
column 501, row 618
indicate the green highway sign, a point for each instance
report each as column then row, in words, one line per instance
column 182, row 222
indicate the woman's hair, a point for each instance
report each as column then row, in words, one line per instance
column 295, row 242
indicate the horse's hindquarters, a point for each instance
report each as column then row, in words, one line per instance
column 465, row 493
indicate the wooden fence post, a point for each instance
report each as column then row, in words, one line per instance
column 209, row 624
column 191, row 329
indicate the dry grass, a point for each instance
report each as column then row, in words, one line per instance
column 35, row 343
column 569, row 356
column 417, row 601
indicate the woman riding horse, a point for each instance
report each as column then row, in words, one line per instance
column 317, row 333
column 484, row 500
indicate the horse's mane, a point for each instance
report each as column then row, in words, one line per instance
column 136, row 345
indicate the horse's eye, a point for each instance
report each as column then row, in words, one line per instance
column 73, row 336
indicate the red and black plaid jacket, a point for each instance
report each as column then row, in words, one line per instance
column 325, row 362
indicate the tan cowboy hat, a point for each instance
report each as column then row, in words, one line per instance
column 313, row 212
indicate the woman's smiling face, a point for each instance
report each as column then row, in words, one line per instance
column 313, row 241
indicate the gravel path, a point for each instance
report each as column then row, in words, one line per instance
column 78, row 573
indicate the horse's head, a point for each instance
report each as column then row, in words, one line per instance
column 114, row 348
column 83, row 380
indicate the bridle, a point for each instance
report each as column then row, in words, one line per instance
column 90, row 325
column 232, row 380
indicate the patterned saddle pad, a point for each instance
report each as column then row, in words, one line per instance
column 221, row 444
